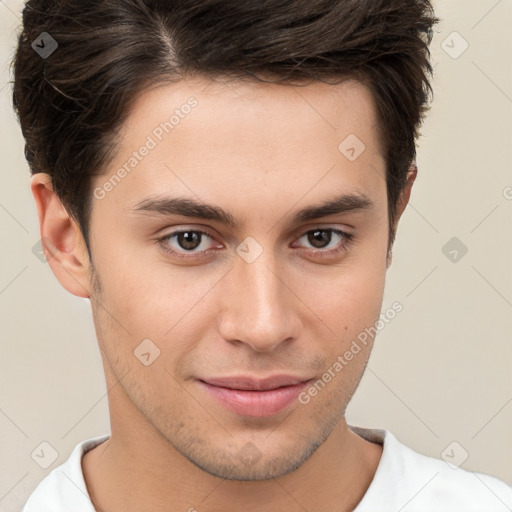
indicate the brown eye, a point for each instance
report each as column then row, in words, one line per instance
column 188, row 240
column 319, row 237
column 186, row 243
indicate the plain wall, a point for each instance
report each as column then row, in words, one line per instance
column 440, row 371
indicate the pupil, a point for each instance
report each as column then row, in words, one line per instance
column 188, row 239
column 319, row 236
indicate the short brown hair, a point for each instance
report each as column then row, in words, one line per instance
column 72, row 104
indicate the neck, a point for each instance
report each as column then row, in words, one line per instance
column 131, row 472
column 138, row 469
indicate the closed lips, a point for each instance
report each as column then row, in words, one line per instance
column 251, row 384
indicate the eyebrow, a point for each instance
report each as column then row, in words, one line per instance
column 186, row 207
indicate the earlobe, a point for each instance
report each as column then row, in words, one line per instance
column 61, row 238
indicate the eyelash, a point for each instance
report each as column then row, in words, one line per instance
column 347, row 239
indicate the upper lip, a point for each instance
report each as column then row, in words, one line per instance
column 250, row 383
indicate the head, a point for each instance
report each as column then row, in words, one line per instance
column 236, row 119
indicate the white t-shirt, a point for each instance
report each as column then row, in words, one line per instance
column 405, row 481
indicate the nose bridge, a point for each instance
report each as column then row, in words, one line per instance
column 257, row 310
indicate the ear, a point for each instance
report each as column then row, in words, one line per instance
column 402, row 202
column 62, row 241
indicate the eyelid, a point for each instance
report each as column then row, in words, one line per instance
column 201, row 231
column 347, row 239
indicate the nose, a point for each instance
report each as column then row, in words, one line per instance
column 259, row 306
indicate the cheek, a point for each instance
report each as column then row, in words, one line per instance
column 128, row 277
column 346, row 298
column 171, row 309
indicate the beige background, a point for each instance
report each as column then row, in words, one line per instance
column 440, row 371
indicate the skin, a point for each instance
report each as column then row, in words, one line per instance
column 261, row 152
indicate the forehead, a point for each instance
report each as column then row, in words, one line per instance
column 251, row 104
column 209, row 138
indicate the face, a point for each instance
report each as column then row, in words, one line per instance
column 192, row 302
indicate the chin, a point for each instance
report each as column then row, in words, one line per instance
column 250, row 463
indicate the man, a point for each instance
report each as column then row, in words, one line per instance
column 224, row 181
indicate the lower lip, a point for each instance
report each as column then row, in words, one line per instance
column 255, row 403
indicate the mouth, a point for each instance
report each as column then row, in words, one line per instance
column 247, row 396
